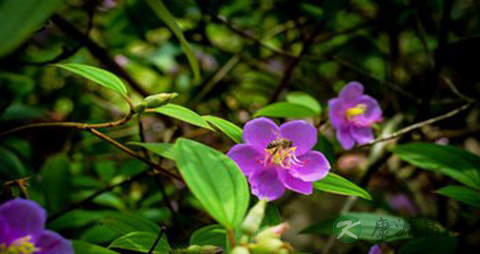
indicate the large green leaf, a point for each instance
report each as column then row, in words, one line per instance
column 183, row 114
column 339, row 185
column 215, row 235
column 304, row 99
column 141, row 242
column 215, row 180
column 56, row 182
column 88, row 248
column 166, row 150
column 457, row 163
column 21, row 19
column 162, row 12
column 230, row 129
column 97, row 75
column 462, row 194
column 285, row 109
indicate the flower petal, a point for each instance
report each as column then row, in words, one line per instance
column 351, row 91
column 375, row 249
column 52, row 243
column 260, row 131
column 373, row 112
column 301, row 133
column 266, row 185
column 4, row 235
column 295, row 184
column 362, row 135
column 247, row 158
column 345, row 138
column 336, row 112
column 315, row 167
column 23, row 217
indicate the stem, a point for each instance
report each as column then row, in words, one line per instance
column 231, row 238
column 157, row 240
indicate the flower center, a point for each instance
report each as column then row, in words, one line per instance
column 280, row 152
column 355, row 111
column 23, row 245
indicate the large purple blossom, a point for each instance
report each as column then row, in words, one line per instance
column 352, row 114
column 22, row 230
column 274, row 158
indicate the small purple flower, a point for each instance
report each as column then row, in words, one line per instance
column 375, row 249
column 274, row 158
column 401, row 203
column 352, row 114
column 22, row 230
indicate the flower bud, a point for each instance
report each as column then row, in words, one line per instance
column 204, row 249
column 157, row 100
column 140, row 107
column 270, row 245
column 254, row 218
column 240, row 250
column 272, row 232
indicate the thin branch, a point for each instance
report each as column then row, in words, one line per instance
column 231, row 238
column 157, row 240
column 418, row 125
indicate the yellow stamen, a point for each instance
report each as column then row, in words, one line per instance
column 23, row 245
column 355, row 111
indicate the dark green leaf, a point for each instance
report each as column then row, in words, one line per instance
column 462, row 194
column 457, row 163
column 336, row 184
column 166, row 150
column 97, row 75
column 215, row 180
column 304, row 99
column 230, row 129
column 10, row 165
column 56, row 182
column 285, row 109
column 441, row 245
column 141, row 242
column 183, row 114
column 88, row 248
column 215, row 235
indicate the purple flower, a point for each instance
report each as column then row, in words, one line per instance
column 402, row 204
column 375, row 249
column 352, row 114
column 22, row 230
column 274, row 158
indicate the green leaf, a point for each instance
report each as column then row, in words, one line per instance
column 457, row 163
column 88, row 248
column 215, row 235
column 56, row 182
column 183, row 114
column 10, row 165
column 304, row 99
column 97, row 75
column 20, row 20
column 127, row 223
column 215, row 180
column 162, row 12
column 230, row 129
column 462, row 194
column 285, row 109
column 442, row 245
column 336, row 184
column 272, row 216
column 141, row 242
column 166, row 150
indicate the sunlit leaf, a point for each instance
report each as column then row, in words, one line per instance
column 462, row 194
column 336, row 184
column 183, row 114
column 215, row 235
column 230, row 129
column 304, row 99
column 141, row 242
column 285, row 109
column 166, row 150
column 215, row 180
column 97, row 75
column 88, row 248
column 457, row 163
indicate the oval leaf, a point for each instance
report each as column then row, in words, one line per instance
column 166, row 150
column 183, row 114
column 97, row 75
column 304, row 99
column 285, row 109
column 56, row 182
column 336, row 184
column 141, row 242
column 231, row 130
column 215, row 180
column 462, row 194
column 88, row 248
column 457, row 163
column 215, row 235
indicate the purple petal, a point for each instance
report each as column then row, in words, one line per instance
column 373, row 112
column 266, row 185
column 351, row 91
column 52, row 243
column 295, row 184
column 336, row 112
column 375, row 249
column 247, row 158
column 301, row 133
column 345, row 138
column 362, row 135
column 260, row 131
column 315, row 167
column 23, row 217
column 4, row 232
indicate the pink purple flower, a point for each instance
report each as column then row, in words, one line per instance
column 278, row 158
column 375, row 249
column 22, row 230
column 402, row 204
column 352, row 114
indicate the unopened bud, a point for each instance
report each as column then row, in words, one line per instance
column 271, row 245
column 140, row 107
column 272, row 232
column 240, row 250
column 254, row 218
column 157, row 100
column 204, row 249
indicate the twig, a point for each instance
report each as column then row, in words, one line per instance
column 418, row 125
column 157, row 240
column 231, row 238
